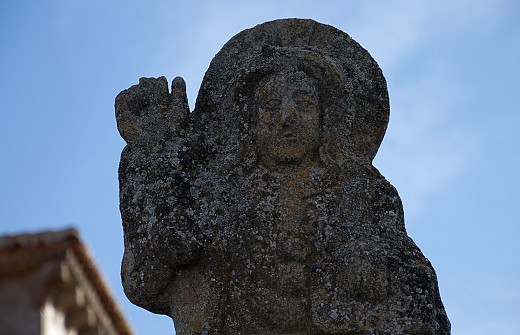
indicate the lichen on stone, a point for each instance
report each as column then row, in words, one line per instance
column 260, row 212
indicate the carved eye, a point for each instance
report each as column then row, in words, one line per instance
column 271, row 104
column 306, row 103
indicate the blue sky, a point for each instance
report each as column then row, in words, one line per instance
column 451, row 149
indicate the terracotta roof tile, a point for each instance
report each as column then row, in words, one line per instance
column 36, row 248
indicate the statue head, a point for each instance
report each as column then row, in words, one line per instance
column 296, row 74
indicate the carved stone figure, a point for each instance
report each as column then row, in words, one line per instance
column 260, row 212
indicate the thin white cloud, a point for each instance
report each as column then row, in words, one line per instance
column 392, row 30
column 426, row 145
column 424, row 150
column 389, row 30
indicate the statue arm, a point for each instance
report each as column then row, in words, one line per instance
column 411, row 275
column 154, row 189
column 387, row 208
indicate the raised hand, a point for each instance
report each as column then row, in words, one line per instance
column 147, row 113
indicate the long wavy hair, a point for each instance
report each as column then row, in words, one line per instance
column 353, row 98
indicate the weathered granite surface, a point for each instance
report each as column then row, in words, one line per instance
column 260, row 212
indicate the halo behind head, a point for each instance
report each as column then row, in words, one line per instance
column 352, row 88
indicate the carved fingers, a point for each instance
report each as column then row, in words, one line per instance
column 147, row 112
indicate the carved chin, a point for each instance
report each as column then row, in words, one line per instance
column 286, row 152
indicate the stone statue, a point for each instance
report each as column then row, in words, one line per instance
column 260, row 212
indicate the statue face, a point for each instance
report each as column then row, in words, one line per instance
column 288, row 118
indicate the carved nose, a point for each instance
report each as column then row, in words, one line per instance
column 288, row 114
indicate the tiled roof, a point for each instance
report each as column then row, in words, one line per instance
column 26, row 251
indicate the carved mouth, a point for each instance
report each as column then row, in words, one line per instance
column 289, row 136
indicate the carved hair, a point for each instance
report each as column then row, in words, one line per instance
column 352, row 90
column 329, row 81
